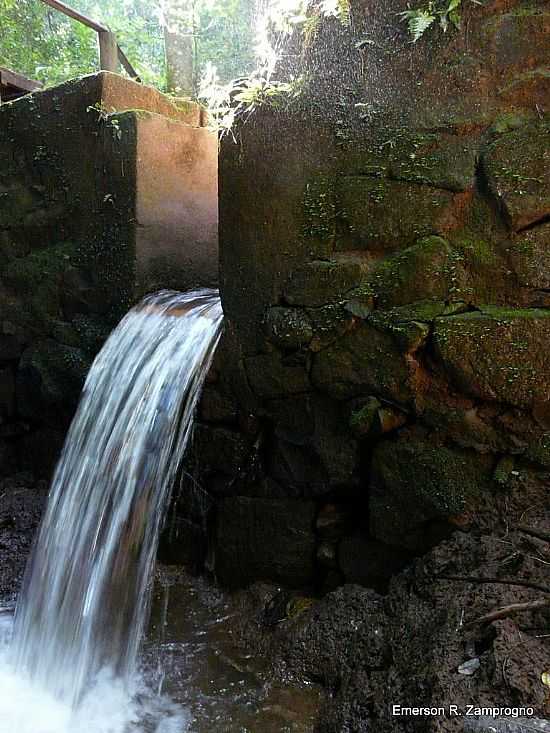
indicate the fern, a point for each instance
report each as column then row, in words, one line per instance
column 344, row 12
column 419, row 20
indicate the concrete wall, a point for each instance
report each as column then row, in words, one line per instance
column 177, row 204
column 107, row 191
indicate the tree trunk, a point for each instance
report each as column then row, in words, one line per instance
column 179, row 46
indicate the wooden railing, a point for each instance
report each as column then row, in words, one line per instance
column 110, row 53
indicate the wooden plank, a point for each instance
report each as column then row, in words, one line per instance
column 132, row 73
column 71, row 13
column 11, row 78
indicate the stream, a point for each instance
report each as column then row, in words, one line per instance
column 194, row 677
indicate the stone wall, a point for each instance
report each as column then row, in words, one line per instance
column 88, row 214
column 384, row 376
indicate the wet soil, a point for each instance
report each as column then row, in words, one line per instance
column 415, row 645
column 22, row 500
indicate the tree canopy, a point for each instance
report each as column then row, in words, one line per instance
column 43, row 44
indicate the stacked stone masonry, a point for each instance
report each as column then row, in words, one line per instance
column 385, row 260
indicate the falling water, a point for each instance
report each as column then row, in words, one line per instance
column 85, row 597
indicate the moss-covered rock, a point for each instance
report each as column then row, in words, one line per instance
column 288, row 328
column 539, row 450
column 529, row 257
column 429, row 269
column 416, row 482
column 328, row 323
column 317, row 283
column 518, row 174
column 497, row 354
column 49, row 380
column 447, row 162
column 376, row 357
column 387, row 215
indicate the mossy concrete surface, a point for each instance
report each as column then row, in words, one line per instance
column 80, row 221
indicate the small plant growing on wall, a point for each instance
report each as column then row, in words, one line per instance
column 445, row 12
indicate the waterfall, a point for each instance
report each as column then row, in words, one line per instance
column 85, row 597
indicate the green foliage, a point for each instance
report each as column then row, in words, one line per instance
column 226, row 38
column 446, row 12
column 240, row 98
column 33, row 36
column 44, row 44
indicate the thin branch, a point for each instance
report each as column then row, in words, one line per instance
column 534, row 532
column 506, row 611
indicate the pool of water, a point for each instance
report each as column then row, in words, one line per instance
column 195, row 678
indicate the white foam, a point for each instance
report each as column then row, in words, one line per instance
column 107, row 707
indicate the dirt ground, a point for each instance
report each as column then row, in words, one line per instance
column 415, row 645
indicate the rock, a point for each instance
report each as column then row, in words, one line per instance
column 376, row 357
column 440, row 161
column 320, row 282
column 8, row 458
column 265, row 539
column 497, row 354
column 271, row 375
column 369, row 208
column 10, row 348
column 364, row 420
column 217, row 405
column 297, row 468
column 368, row 562
column 518, row 174
column 469, row 667
column 220, row 449
column 328, row 323
column 503, row 470
column 326, row 555
column 539, row 450
column 529, row 257
column 428, row 270
column 49, row 380
column 40, row 450
column 390, row 419
column 80, row 295
column 415, row 481
column 288, row 328
column 346, row 625
column 375, row 419
column 333, row 521
column 313, row 451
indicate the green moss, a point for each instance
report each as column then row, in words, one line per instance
column 431, row 268
column 504, row 470
column 319, row 209
column 508, row 121
column 364, row 420
column 539, row 452
column 27, row 274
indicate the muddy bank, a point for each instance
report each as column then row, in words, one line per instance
column 420, row 644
